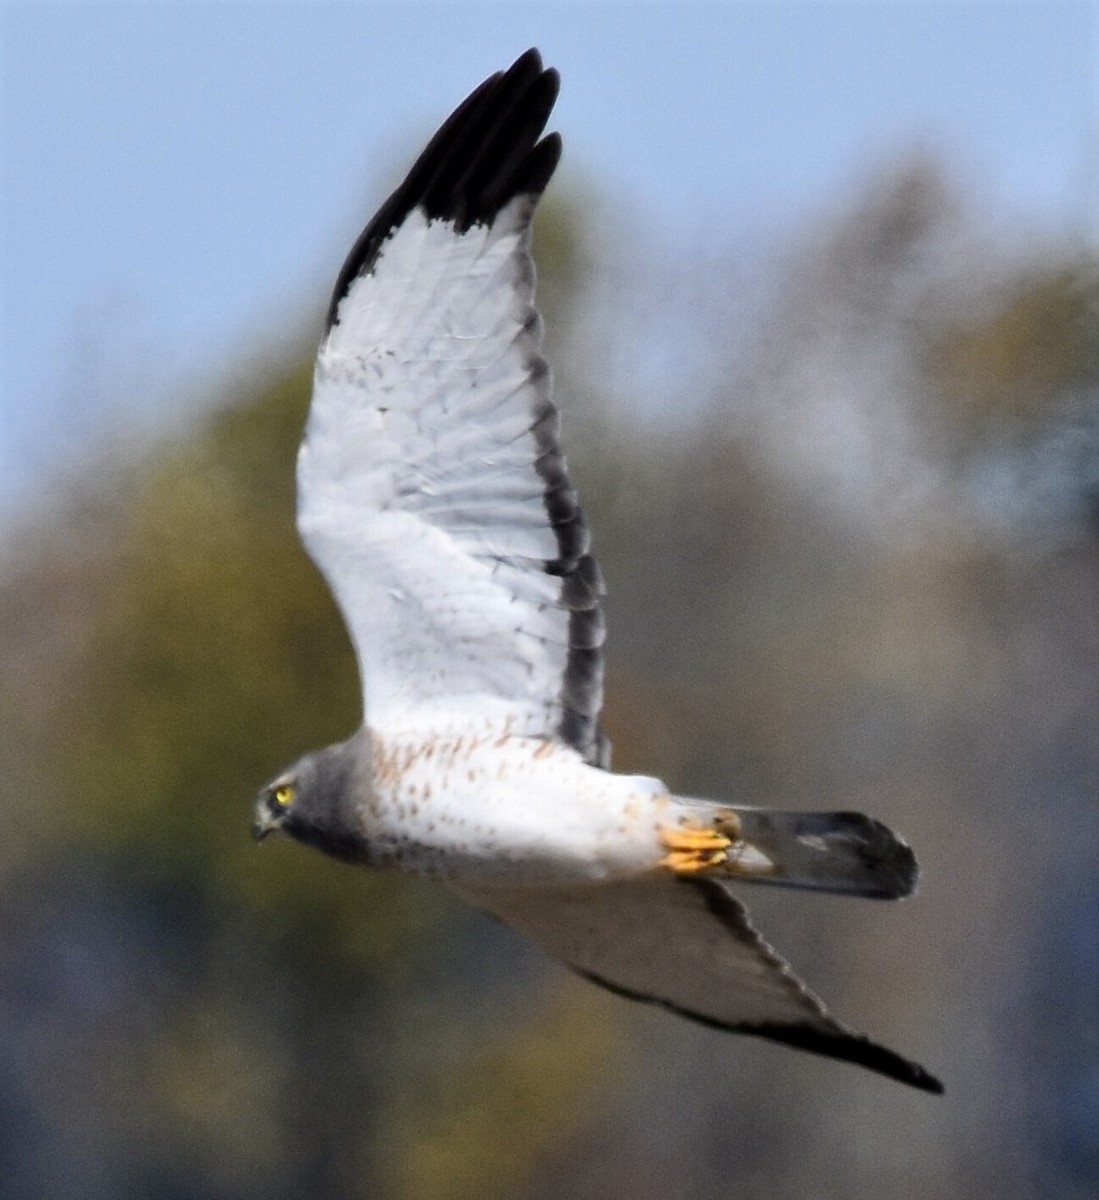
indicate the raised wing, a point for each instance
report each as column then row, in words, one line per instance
column 688, row 946
column 432, row 491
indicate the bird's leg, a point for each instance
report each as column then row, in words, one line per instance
column 692, row 848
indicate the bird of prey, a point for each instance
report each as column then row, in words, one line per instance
column 434, row 496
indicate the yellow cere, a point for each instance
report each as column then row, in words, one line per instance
column 284, row 794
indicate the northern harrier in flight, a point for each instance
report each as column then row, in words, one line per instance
column 433, row 495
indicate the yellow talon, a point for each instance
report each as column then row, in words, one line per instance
column 691, row 850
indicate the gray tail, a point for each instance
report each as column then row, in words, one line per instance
column 827, row 852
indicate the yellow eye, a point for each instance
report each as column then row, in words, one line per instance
column 284, row 793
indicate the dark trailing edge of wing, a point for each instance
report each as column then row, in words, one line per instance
column 848, row 1047
column 485, row 154
column 581, row 595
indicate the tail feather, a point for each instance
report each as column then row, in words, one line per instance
column 828, row 852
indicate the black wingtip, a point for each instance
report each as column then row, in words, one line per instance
column 487, row 152
column 846, row 1047
column 858, row 1050
column 834, row 1042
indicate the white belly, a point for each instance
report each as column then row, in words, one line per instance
column 502, row 809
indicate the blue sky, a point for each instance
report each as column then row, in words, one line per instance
column 179, row 181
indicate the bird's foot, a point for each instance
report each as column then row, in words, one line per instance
column 692, row 848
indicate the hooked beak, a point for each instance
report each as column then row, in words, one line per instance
column 264, row 821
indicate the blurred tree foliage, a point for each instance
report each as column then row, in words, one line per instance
column 186, row 1016
column 1000, row 373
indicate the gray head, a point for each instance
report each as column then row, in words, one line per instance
column 314, row 801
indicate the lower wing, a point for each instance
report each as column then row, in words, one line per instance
column 687, row 945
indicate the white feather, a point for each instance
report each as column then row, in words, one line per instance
column 418, row 495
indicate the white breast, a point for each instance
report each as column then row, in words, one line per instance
column 510, row 809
